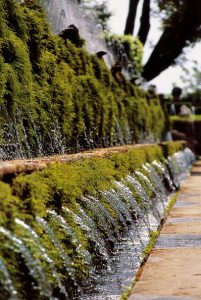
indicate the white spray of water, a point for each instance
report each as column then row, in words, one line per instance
column 63, row 13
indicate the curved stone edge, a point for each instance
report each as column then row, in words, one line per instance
column 30, row 165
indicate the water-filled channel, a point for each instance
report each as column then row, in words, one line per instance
column 127, row 255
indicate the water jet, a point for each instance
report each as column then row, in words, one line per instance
column 68, row 225
column 78, row 246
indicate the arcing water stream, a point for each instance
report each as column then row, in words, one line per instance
column 66, row 12
column 41, row 254
column 128, row 251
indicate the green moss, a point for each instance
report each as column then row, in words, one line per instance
column 152, row 241
column 133, row 49
column 171, row 203
column 191, row 118
column 55, row 98
column 68, row 181
column 153, row 238
column 63, row 185
column 126, row 293
column 9, row 205
column 169, row 148
column 58, row 98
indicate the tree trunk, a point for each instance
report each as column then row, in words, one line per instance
column 168, row 48
column 144, row 22
column 133, row 4
column 184, row 28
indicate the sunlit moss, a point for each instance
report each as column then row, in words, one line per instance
column 58, row 98
column 63, row 185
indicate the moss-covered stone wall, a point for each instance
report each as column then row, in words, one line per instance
column 55, row 197
column 56, row 98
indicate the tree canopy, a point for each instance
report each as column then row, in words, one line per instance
column 181, row 21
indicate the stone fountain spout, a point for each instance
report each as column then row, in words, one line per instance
column 72, row 34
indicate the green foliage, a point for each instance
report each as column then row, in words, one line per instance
column 63, row 185
column 9, row 205
column 184, row 119
column 55, row 97
column 170, row 148
column 152, row 241
column 126, row 293
column 172, row 201
column 133, row 49
column 13, row 18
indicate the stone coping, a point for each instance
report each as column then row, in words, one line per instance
column 31, row 165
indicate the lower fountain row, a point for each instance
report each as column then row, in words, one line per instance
column 106, row 235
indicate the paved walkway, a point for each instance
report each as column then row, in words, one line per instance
column 173, row 269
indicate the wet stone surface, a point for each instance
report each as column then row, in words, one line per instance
column 178, row 241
